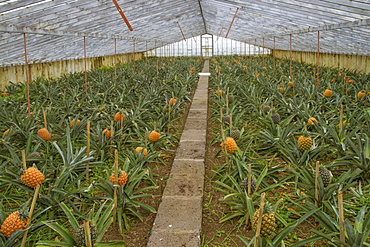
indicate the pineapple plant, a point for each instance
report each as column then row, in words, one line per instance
column 268, row 225
column 32, row 177
column 44, row 134
column 275, row 118
column 154, row 136
column 291, row 84
column 14, row 222
column 304, row 142
column 122, row 178
column 140, row 150
column 281, row 89
column 328, row 93
column 230, row 145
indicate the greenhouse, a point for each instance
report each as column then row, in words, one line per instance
column 184, row 123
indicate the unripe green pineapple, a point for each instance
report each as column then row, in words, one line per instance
column 231, row 98
column 244, row 185
column 275, row 118
column 226, row 119
column 325, row 176
column 268, row 225
column 235, row 134
column 266, row 108
column 80, row 235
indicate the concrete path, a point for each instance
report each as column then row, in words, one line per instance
column 179, row 217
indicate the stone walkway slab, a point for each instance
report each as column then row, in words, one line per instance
column 179, row 218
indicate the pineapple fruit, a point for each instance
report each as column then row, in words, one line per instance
column 32, row 177
column 230, row 145
column 14, row 222
column 122, row 178
column 154, row 136
column 172, row 101
column 108, row 134
column 80, row 235
column 312, row 120
column 275, row 118
column 219, row 92
column 266, row 108
column 304, row 142
column 138, row 150
column 231, row 98
column 44, row 134
column 73, row 122
column 244, row 185
column 235, row 134
column 268, row 225
column 119, row 116
column 226, row 119
column 360, row 95
column 6, row 132
column 328, row 93
column 325, row 176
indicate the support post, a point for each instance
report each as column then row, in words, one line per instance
column 28, row 76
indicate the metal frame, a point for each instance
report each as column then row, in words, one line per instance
column 55, row 28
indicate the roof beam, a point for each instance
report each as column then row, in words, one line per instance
column 201, row 13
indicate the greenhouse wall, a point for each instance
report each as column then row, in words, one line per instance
column 56, row 69
column 353, row 62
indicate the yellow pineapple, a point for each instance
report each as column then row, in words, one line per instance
column 328, row 93
column 230, row 145
column 119, row 116
column 304, row 142
column 154, row 136
column 268, row 225
column 32, row 177
column 138, row 150
column 172, row 101
column 44, row 134
column 312, row 120
column 73, row 122
column 14, row 222
column 108, row 134
column 122, row 178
